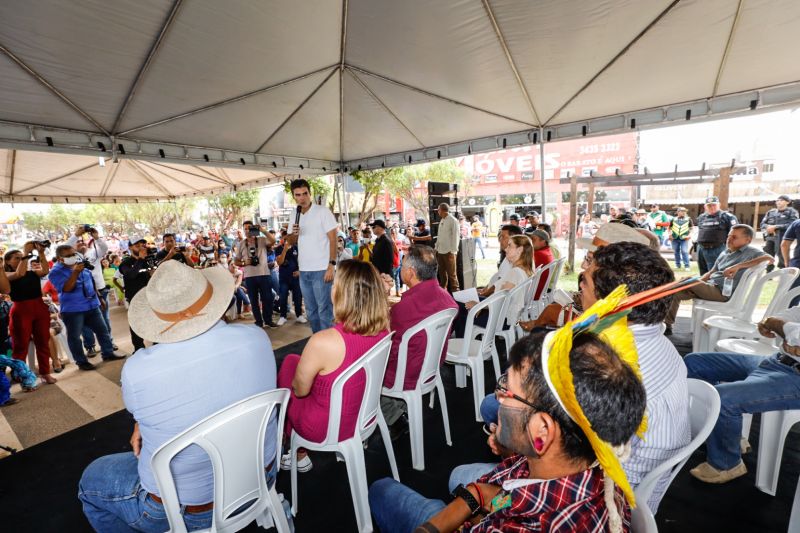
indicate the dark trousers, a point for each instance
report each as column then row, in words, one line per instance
column 706, row 257
column 447, row 271
column 138, row 342
column 291, row 284
column 259, row 288
column 772, row 247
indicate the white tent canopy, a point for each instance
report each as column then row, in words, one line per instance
column 314, row 86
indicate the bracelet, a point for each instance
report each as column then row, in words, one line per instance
column 480, row 495
column 427, row 527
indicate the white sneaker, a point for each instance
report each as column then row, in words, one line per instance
column 281, row 321
column 687, row 269
column 302, row 319
column 303, row 465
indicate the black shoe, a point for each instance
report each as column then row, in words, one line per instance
column 86, row 366
column 113, row 357
column 668, row 331
column 92, row 352
column 270, row 325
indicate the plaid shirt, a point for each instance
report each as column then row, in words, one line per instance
column 569, row 504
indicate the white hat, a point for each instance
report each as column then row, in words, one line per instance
column 180, row 302
column 611, row 233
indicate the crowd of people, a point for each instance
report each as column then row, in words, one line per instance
column 566, row 420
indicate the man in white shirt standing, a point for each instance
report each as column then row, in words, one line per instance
column 315, row 236
column 95, row 251
column 447, row 241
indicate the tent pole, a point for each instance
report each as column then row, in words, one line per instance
column 573, row 221
column 541, row 171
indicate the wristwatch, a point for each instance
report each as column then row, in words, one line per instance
column 332, row 263
column 461, row 492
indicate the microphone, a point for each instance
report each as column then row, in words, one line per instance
column 297, row 215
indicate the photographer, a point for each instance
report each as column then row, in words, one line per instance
column 94, row 251
column 209, row 256
column 251, row 254
column 80, row 305
column 136, row 270
column 173, row 250
column 29, row 315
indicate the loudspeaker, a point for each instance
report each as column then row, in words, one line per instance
column 466, row 269
column 440, row 193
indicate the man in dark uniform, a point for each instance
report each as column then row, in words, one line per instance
column 714, row 226
column 774, row 225
column 422, row 235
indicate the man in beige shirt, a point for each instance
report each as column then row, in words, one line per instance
column 447, row 248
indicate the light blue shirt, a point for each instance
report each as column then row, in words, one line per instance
column 170, row 387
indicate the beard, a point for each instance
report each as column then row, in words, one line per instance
column 512, row 431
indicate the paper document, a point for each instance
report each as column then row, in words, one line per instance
column 467, row 295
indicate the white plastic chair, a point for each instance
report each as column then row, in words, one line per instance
column 794, row 519
column 704, row 404
column 740, row 322
column 555, row 270
column 469, row 353
column 763, row 347
column 373, row 363
column 436, row 328
column 234, row 440
column 509, row 335
column 702, row 309
column 642, row 519
column 775, row 425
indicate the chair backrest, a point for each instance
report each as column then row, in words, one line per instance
column 737, row 299
column 783, row 277
column 529, row 303
column 492, row 304
column 520, row 291
column 642, row 519
column 233, row 438
column 436, row 328
column 704, row 404
column 548, row 273
column 783, row 297
column 557, row 270
column 373, row 363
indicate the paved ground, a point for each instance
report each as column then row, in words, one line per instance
column 82, row 397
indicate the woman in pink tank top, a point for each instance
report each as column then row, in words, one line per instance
column 361, row 315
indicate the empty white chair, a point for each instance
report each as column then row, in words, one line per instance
column 642, row 519
column 509, row 316
column 704, row 404
column 234, row 440
column 775, row 425
column 747, row 346
column 702, row 309
column 469, row 353
column 436, row 329
column 373, row 363
column 740, row 323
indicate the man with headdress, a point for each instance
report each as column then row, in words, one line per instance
column 195, row 370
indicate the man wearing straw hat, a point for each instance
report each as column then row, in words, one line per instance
column 199, row 366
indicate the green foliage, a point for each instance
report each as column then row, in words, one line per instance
column 320, row 186
column 411, row 183
column 225, row 209
column 374, row 182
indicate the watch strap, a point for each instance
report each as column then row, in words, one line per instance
column 461, row 492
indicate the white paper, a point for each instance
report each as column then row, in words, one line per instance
column 467, row 295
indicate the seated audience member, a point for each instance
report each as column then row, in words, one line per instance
column 169, row 387
column 519, row 253
column 361, row 316
column 542, row 255
column 423, row 299
column 242, row 300
column 731, row 264
column 641, row 268
column 503, row 266
column 747, row 384
column 551, row 480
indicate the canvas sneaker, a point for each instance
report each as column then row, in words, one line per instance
column 708, row 474
column 303, row 465
column 281, row 321
column 302, row 319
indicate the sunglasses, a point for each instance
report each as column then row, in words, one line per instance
column 501, row 391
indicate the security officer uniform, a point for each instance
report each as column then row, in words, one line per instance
column 712, row 235
column 781, row 219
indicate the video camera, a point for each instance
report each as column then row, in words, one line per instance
column 88, row 228
column 150, row 260
column 86, row 263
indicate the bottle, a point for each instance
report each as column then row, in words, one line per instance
column 727, row 287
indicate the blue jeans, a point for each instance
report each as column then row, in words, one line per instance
column 398, row 283
column 746, row 384
column 399, row 509
column 93, row 319
column 681, row 249
column 706, row 257
column 118, row 503
column 291, row 284
column 241, row 299
column 466, row 474
column 317, row 292
column 88, row 335
column 259, row 288
column 276, row 283
column 479, row 245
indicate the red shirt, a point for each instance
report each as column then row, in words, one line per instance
column 416, row 304
column 542, row 257
column 51, row 290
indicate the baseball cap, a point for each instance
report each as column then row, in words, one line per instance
column 712, row 200
column 784, row 197
column 420, row 222
column 681, row 208
column 532, row 214
column 541, row 234
column 136, row 239
column 380, row 223
column 513, row 216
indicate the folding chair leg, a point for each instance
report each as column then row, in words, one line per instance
column 478, row 388
column 433, row 398
column 293, row 472
column 387, row 443
column 495, row 361
column 353, row 453
column 415, row 431
column 445, row 415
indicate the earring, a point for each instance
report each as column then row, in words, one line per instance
column 538, row 444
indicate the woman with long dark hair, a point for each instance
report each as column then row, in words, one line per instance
column 29, row 315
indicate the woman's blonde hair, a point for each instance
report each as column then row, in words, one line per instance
column 525, row 261
column 359, row 298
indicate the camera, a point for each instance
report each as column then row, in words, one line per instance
column 254, row 231
column 150, row 260
column 88, row 228
column 86, row 263
column 254, row 261
column 43, row 243
column 180, row 247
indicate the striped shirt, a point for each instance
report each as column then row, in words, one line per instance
column 668, row 429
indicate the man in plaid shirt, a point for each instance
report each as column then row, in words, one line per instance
column 551, row 481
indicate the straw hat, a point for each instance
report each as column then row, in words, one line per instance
column 180, row 302
column 611, row 233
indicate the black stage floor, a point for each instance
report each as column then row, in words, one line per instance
column 49, row 472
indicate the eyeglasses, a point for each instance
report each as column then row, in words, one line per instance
column 501, row 391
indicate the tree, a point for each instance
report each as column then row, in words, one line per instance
column 411, row 183
column 375, row 184
column 228, row 208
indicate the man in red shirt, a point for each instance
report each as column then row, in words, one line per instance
column 542, row 255
column 423, row 299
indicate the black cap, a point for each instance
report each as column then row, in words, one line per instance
column 513, row 216
column 784, row 197
column 712, row 200
column 532, row 214
column 421, row 222
column 380, row 223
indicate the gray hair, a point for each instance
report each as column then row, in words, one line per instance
column 423, row 260
column 746, row 229
column 444, row 207
column 62, row 248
